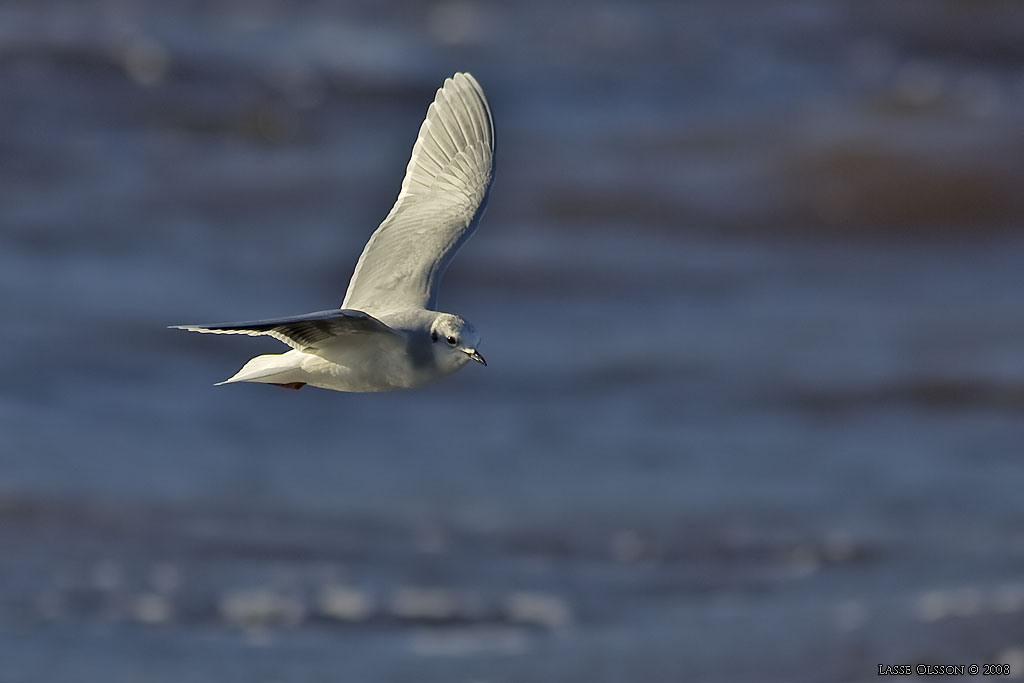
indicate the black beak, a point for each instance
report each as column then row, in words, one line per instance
column 475, row 355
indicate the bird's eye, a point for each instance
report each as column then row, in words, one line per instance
column 453, row 341
column 433, row 336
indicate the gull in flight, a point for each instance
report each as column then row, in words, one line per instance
column 388, row 333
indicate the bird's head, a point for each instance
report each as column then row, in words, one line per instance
column 454, row 340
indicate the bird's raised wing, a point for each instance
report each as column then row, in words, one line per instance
column 303, row 332
column 442, row 198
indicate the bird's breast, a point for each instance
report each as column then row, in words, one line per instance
column 373, row 368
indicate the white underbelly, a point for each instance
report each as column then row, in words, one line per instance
column 380, row 371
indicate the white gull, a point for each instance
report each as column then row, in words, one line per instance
column 387, row 333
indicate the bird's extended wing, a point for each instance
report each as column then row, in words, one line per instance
column 303, row 332
column 442, row 198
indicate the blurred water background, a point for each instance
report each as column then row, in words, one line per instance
column 749, row 285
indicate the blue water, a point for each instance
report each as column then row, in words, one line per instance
column 748, row 285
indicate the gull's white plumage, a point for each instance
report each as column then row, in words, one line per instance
column 387, row 334
column 442, row 196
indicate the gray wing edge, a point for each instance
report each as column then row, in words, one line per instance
column 302, row 332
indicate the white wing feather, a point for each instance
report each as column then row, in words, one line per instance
column 443, row 195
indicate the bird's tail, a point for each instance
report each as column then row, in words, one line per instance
column 275, row 368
